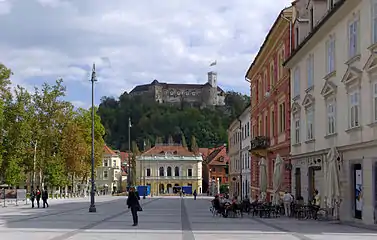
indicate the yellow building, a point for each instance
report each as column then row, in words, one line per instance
column 168, row 168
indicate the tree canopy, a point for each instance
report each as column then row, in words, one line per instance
column 161, row 123
column 43, row 125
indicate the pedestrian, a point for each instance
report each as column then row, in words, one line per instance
column 32, row 196
column 45, row 197
column 195, row 194
column 287, row 200
column 134, row 205
column 38, row 195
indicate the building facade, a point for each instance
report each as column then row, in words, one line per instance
column 215, row 166
column 245, row 152
column 270, row 102
column 208, row 94
column 334, row 89
column 168, row 168
column 234, row 141
column 109, row 174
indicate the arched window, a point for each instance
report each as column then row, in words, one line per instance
column 169, row 171
column 161, row 171
column 176, row 171
column 272, row 76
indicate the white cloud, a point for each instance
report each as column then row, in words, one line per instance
column 133, row 42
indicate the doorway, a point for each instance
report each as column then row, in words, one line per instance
column 358, row 190
column 297, row 183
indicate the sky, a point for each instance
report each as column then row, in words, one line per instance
column 132, row 42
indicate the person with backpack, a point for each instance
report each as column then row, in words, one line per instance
column 45, row 197
column 38, row 194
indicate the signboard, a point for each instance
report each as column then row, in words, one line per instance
column 21, row 194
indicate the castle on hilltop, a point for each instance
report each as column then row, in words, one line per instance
column 208, row 94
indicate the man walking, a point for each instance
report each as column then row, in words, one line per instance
column 32, row 196
column 38, row 195
column 287, row 200
column 45, row 197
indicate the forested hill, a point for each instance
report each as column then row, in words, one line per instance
column 151, row 121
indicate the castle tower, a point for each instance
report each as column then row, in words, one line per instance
column 212, row 79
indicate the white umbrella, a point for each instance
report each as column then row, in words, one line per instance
column 332, row 192
column 277, row 179
column 263, row 178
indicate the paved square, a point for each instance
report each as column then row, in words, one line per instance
column 162, row 218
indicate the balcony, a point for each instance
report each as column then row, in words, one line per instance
column 260, row 143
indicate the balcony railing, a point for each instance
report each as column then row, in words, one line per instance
column 171, row 177
column 260, row 143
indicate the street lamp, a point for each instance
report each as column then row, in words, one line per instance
column 129, row 154
column 92, row 207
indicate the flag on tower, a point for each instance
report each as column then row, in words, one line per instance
column 213, row 63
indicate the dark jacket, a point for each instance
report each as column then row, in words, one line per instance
column 38, row 194
column 133, row 199
column 44, row 195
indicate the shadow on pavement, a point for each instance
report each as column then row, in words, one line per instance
column 163, row 215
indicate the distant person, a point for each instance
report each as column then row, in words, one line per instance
column 45, row 197
column 195, row 194
column 38, row 195
column 32, row 196
column 134, row 205
column 287, row 200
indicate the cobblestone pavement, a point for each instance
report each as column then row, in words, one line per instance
column 162, row 218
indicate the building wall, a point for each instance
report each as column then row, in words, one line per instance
column 270, row 100
column 245, row 152
column 109, row 173
column 234, row 140
column 154, row 163
column 356, row 144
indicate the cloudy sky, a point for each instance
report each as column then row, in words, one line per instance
column 131, row 42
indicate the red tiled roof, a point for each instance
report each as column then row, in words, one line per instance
column 218, row 156
column 171, row 149
column 123, row 156
column 108, row 150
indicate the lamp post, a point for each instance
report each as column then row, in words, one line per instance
column 92, row 207
column 129, row 154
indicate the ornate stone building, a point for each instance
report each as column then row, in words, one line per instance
column 167, row 168
column 208, row 94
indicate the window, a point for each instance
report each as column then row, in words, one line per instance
column 265, row 83
column 114, row 163
column 353, row 41
column 248, row 129
column 297, row 37
column 272, row 121
column 310, row 123
column 260, row 126
column 260, row 90
column 281, row 117
column 374, row 21
column 375, row 102
column 105, row 163
column 354, row 99
column 297, row 128
column 148, row 172
column 176, row 171
column 281, row 62
column 330, row 53
column 161, row 171
column 272, row 75
column 311, row 19
column 330, row 4
column 310, row 70
column 331, row 116
column 169, row 172
column 296, row 82
column 105, row 174
column 265, row 125
column 189, row 172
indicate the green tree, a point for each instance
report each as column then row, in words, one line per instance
column 194, row 145
column 183, row 140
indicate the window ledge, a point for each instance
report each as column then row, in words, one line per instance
column 330, row 135
column 309, row 89
column 310, row 141
column 353, row 59
column 372, row 47
column 296, row 98
column 296, row 144
column 330, row 75
column 373, row 124
column 358, row 128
